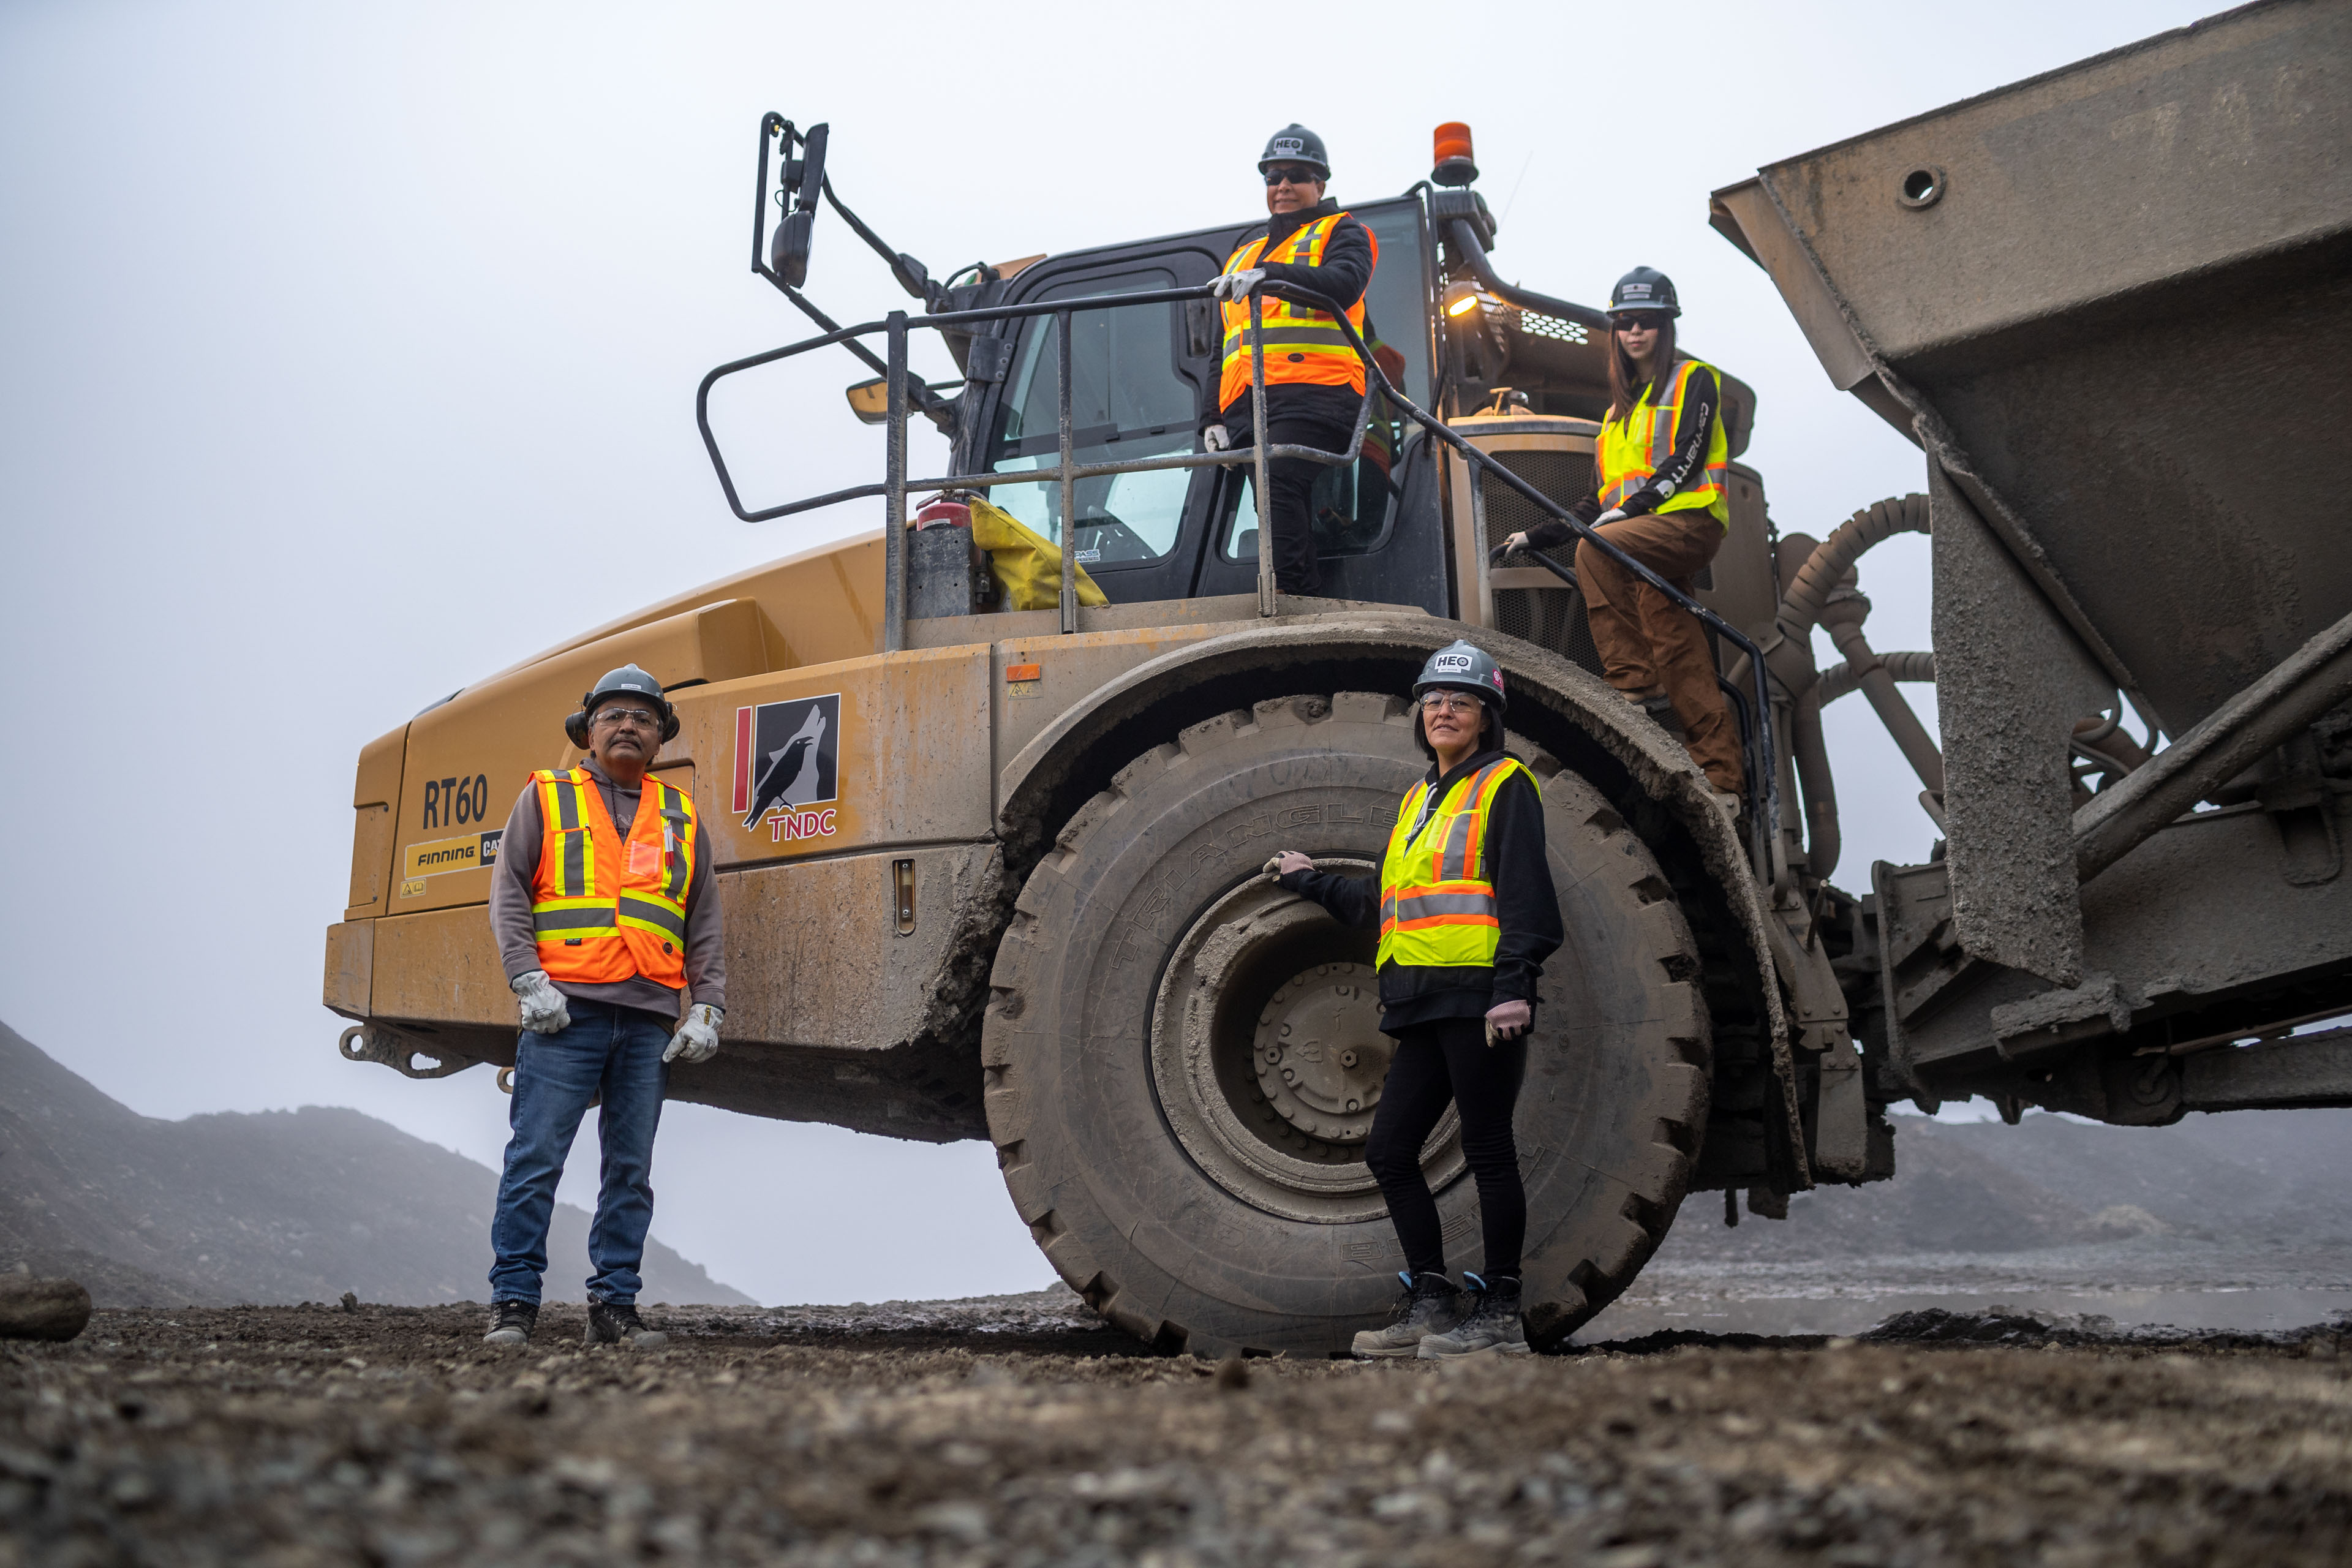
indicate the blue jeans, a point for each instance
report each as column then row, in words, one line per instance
column 614, row 1051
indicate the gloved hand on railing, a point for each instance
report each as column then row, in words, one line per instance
column 697, row 1039
column 1234, row 286
column 1216, row 438
column 543, row 1012
column 1511, row 545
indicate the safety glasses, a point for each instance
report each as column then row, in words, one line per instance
column 1647, row 322
column 1281, row 174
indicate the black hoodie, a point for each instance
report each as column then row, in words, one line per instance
column 1524, row 903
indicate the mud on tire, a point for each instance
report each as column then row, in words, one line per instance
column 1152, row 978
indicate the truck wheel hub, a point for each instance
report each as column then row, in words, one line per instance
column 1268, row 1058
column 1321, row 1057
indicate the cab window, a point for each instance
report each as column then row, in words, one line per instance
column 1129, row 399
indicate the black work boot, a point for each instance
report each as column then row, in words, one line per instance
column 617, row 1323
column 512, row 1322
column 1429, row 1305
column 1492, row 1327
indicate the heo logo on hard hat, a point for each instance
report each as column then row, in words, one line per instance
column 1287, row 147
column 1450, row 662
column 1637, row 290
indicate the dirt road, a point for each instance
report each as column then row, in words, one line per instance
column 1013, row 1432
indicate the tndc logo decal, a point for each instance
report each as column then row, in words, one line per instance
column 788, row 766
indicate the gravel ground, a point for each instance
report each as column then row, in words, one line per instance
column 1016, row 1430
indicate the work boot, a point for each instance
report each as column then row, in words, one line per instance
column 617, row 1323
column 512, row 1322
column 1429, row 1305
column 1492, row 1327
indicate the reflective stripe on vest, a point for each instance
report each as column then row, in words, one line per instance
column 1437, row 910
column 606, row 909
column 1634, row 448
column 1304, row 346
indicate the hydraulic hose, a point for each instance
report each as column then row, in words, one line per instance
column 1816, row 785
column 1800, row 611
column 1916, row 668
column 1788, row 654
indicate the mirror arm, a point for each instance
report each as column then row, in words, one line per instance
column 912, row 274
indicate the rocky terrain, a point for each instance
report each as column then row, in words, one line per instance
column 282, row 1206
column 1019, row 1432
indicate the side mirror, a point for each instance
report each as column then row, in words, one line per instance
column 870, row 400
column 788, row 255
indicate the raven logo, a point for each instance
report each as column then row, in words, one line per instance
column 787, row 756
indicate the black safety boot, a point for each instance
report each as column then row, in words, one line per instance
column 1429, row 1305
column 1491, row 1328
column 611, row 1324
column 512, row 1322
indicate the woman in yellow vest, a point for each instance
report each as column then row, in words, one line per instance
column 1313, row 381
column 1467, row 915
column 1664, row 463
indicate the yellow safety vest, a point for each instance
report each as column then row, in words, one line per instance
column 1303, row 346
column 1633, row 447
column 606, row 907
column 1437, row 909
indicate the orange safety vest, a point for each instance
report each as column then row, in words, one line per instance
column 606, row 909
column 1303, row 346
column 1437, row 909
column 1633, row 447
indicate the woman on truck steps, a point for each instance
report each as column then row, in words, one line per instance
column 1663, row 464
column 1467, row 914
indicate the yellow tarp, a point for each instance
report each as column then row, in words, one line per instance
column 1027, row 564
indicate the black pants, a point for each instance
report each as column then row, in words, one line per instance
column 1436, row 1063
column 1318, row 416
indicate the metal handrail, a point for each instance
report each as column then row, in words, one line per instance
column 1763, row 773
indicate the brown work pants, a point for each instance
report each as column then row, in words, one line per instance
column 1648, row 641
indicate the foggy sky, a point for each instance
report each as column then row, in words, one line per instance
column 347, row 354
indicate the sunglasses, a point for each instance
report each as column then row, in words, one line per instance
column 1292, row 176
column 1645, row 323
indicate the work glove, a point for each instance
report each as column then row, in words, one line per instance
column 1614, row 514
column 1289, row 860
column 1508, row 1020
column 1234, row 286
column 1516, row 541
column 1216, row 437
column 543, row 1012
column 697, row 1039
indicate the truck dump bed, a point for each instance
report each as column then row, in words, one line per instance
column 2113, row 304
column 2118, row 293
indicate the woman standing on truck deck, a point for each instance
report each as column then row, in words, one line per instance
column 1663, row 465
column 1467, row 914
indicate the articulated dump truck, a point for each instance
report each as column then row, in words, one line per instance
column 994, row 872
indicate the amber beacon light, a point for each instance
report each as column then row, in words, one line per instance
column 1454, row 166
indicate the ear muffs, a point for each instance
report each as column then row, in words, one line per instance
column 575, row 728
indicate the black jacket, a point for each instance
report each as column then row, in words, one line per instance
column 1525, row 902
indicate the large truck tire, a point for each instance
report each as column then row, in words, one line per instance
column 1183, row 1060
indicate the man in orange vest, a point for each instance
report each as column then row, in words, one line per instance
column 1314, row 379
column 610, row 932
